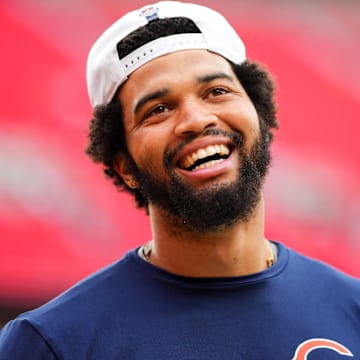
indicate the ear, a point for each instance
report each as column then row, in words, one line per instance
column 122, row 168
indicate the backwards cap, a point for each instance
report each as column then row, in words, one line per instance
column 106, row 71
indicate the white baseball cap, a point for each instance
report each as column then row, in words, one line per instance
column 106, row 71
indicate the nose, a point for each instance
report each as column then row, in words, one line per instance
column 194, row 116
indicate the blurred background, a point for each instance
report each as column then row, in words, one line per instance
column 60, row 219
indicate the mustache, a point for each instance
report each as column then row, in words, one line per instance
column 236, row 138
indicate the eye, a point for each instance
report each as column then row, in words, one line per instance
column 217, row 91
column 156, row 110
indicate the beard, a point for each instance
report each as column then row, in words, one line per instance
column 215, row 207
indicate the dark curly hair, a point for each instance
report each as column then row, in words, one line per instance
column 106, row 130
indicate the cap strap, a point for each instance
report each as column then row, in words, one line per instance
column 159, row 47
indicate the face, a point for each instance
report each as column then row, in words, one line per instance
column 194, row 139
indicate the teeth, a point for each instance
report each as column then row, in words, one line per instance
column 224, row 150
column 210, row 150
column 202, row 153
column 193, row 157
column 208, row 164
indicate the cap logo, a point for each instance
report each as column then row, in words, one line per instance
column 150, row 13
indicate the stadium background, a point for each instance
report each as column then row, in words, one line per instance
column 60, row 220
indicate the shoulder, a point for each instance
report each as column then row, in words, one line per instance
column 64, row 322
column 19, row 340
column 95, row 291
column 313, row 272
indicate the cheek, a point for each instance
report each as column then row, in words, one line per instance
column 252, row 117
column 147, row 148
column 254, row 122
column 246, row 120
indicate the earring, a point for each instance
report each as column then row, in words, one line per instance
column 132, row 183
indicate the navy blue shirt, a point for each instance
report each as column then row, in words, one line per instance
column 297, row 309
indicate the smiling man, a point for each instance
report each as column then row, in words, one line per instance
column 184, row 122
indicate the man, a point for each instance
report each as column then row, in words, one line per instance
column 184, row 122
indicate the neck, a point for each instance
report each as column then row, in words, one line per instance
column 235, row 251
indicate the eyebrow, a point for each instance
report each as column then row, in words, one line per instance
column 148, row 97
column 162, row 92
column 215, row 76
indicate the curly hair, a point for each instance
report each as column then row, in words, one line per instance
column 106, row 130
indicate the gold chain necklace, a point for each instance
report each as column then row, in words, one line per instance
column 145, row 251
column 270, row 261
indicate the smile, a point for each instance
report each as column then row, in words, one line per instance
column 205, row 157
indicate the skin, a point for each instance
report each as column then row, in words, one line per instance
column 166, row 101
